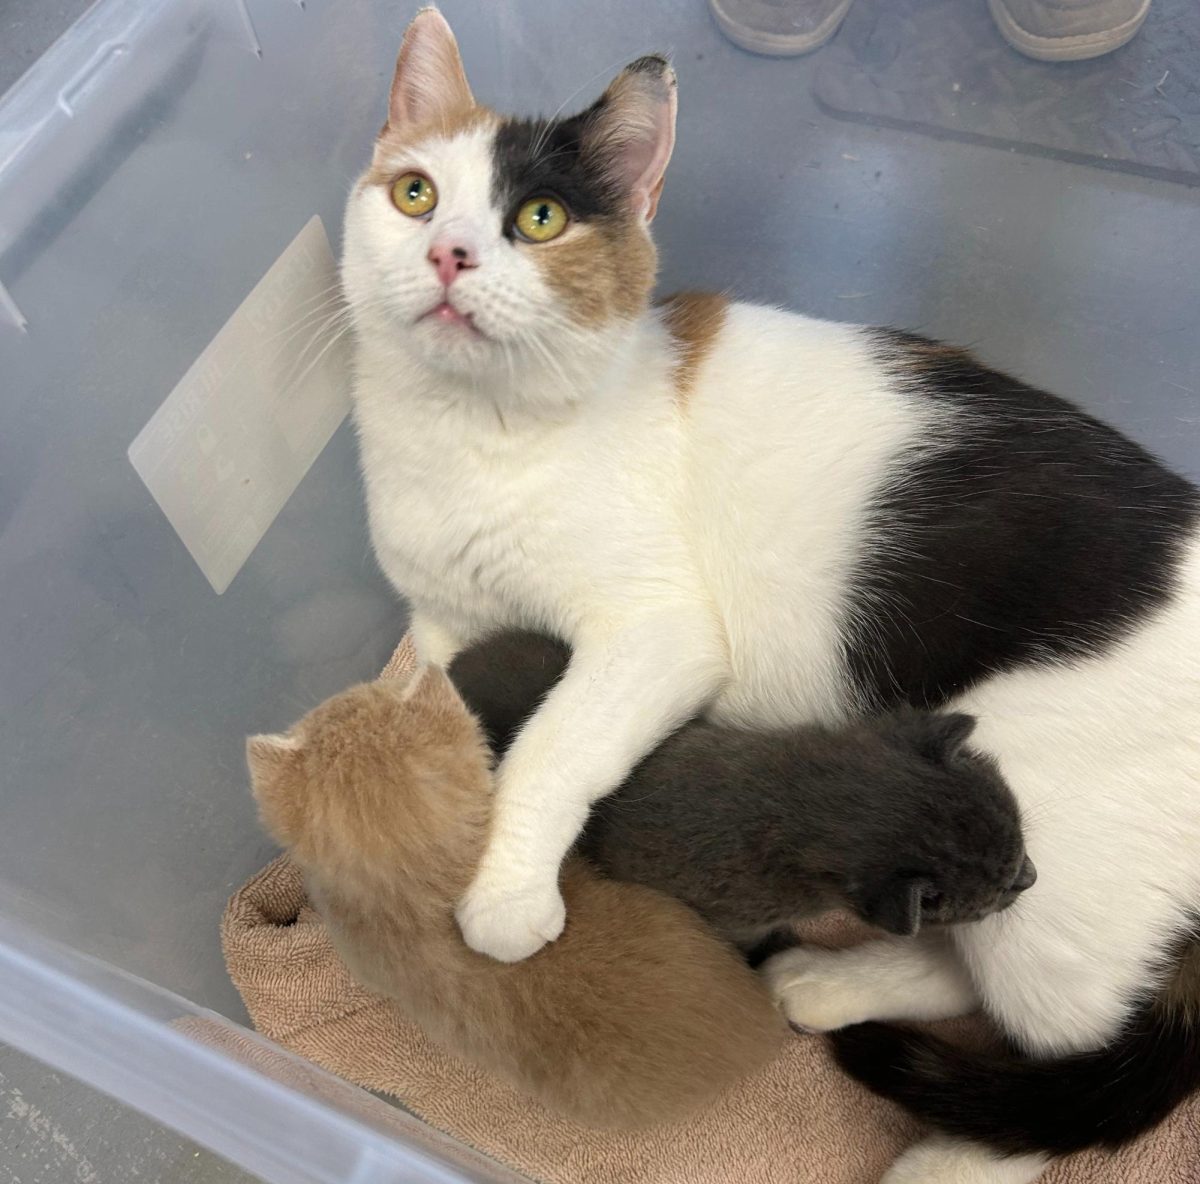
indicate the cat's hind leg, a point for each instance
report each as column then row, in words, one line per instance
column 941, row 1160
column 911, row 978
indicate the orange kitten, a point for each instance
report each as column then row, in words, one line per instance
column 637, row 1014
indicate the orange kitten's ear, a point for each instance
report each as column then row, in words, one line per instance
column 270, row 754
column 271, row 758
column 432, row 688
column 633, row 130
column 429, row 85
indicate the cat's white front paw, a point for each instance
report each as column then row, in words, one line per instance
column 510, row 920
column 812, row 989
column 953, row 1161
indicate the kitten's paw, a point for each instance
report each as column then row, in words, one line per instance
column 953, row 1161
column 813, row 990
column 510, row 921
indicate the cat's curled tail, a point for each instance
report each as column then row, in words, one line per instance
column 1017, row 1105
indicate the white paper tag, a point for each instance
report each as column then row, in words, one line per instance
column 233, row 440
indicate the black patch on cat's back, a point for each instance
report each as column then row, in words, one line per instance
column 1033, row 533
column 537, row 157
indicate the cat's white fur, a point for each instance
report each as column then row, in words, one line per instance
column 699, row 557
column 941, row 1160
column 610, row 523
column 1104, row 756
column 918, row 978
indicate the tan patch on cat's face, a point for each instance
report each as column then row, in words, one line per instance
column 693, row 320
column 392, row 147
column 601, row 270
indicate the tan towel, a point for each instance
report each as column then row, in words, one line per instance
column 800, row 1121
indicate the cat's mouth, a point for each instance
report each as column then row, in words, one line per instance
column 444, row 313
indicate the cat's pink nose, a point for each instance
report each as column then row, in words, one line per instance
column 451, row 258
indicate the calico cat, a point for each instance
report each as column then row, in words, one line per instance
column 637, row 1014
column 772, row 520
column 892, row 817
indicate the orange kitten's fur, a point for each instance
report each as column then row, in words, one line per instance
column 637, row 1014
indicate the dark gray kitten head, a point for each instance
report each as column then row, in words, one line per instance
column 944, row 843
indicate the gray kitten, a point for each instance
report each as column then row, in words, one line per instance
column 893, row 817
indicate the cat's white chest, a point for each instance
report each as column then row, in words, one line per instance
column 448, row 531
column 535, row 528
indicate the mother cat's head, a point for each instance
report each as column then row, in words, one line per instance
column 511, row 248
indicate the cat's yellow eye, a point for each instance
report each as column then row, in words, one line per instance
column 414, row 194
column 540, row 219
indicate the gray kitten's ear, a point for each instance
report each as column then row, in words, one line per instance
column 632, row 131
column 429, row 85
column 940, row 736
column 896, row 906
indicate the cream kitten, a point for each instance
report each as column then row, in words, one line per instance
column 637, row 1014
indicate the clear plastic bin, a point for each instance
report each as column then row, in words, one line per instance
column 153, row 166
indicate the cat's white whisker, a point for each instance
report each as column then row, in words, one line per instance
column 548, row 123
column 316, row 359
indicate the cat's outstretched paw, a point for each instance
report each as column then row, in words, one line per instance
column 813, row 990
column 510, row 921
column 953, row 1161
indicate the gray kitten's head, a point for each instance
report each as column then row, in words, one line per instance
column 945, row 843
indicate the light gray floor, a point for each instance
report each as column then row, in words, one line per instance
column 1084, row 282
column 55, row 1131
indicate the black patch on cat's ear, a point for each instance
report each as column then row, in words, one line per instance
column 632, row 132
column 896, row 906
column 600, row 163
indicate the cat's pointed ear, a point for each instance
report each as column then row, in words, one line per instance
column 895, row 905
column 433, row 688
column 429, row 85
column 270, row 758
column 270, row 754
column 632, row 131
column 940, row 736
